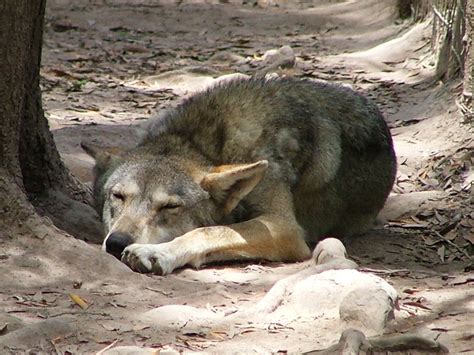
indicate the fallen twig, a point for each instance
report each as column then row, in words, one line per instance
column 461, row 250
column 384, row 272
column 100, row 352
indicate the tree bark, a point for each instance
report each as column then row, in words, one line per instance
column 404, row 8
column 458, row 30
column 18, row 22
column 469, row 64
column 31, row 170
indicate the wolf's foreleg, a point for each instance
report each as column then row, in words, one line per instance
column 269, row 237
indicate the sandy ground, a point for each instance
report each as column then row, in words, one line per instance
column 101, row 76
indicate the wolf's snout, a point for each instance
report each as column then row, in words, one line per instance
column 117, row 242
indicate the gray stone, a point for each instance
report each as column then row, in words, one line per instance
column 368, row 307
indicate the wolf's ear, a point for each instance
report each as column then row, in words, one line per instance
column 103, row 156
column 230, row 183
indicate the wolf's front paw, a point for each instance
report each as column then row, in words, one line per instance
column 154, row 258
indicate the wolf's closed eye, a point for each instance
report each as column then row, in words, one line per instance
column 170, row 206
column 118, row 196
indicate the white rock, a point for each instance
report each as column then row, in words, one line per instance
column 368, row 307
column 327, row 250
column 325, row 292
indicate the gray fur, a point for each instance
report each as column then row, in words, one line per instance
column 328, row 146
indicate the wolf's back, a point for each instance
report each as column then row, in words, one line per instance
column 287, row 121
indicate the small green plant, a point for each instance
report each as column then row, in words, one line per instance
column 78, row 85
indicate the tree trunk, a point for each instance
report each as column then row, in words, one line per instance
column 18, row 23
column 30, row 166
column 404, row 8
column 468, row 88
column 458, row 30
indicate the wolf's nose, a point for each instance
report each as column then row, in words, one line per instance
column 117, row 242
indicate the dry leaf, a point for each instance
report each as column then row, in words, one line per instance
column 469, row 237
column 440, row 329
column 136, row 48
column 64, row 74
column 100, row 352
column 462, row 280
column 441, row 252
column 467, row 337
column 402, row 224
column 416, row 304
column 110, row 326
column 451, row 235
column 79, row 301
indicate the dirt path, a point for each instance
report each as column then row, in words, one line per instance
column 101, row 67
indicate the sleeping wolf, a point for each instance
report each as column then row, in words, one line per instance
column 250, row 169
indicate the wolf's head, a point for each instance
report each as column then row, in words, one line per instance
column 148, row 198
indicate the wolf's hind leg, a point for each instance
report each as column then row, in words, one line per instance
column 354, row 224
